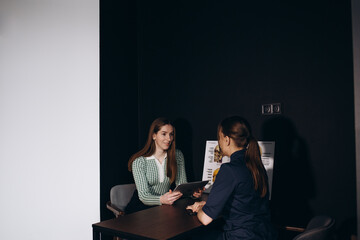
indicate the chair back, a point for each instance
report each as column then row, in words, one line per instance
column 120, row 195
column 319, row 228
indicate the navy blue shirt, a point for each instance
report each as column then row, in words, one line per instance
column 246, row 214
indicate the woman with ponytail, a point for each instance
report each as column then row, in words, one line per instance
column 240, row 192
column 156, row 167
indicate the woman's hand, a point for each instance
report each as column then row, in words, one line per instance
column 197, row 206
column 170, row 197
column 198, row 193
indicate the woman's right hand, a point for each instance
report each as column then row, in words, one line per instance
column 170, row 197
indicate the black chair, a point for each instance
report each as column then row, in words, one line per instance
column 319, row 228
column 120, row 196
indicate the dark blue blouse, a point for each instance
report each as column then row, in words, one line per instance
column 246, row 214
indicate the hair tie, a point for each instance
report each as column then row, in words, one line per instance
column 249, row 139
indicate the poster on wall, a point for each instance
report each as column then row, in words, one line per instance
column 213, row 160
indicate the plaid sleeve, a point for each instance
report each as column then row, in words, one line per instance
column 181, row 173
column 142, row 185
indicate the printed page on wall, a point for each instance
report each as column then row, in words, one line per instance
column 213, row 160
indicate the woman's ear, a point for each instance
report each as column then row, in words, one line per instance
column 154, row 136
column 227, row 140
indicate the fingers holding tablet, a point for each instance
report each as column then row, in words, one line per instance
column 170, row 197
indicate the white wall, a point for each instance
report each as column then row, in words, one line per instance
column 49, row 119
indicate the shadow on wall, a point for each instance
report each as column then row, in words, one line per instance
column 348, row 229
column 184, row 139
column 293, row 181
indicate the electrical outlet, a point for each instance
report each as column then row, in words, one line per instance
column 266, row 109
column 276, row 108
column 271, row 108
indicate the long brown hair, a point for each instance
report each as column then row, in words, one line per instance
column 238, row 129
column 149, row 148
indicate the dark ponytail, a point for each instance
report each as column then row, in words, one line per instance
column 255, row 165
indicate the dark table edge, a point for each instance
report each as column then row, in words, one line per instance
column 97, row 230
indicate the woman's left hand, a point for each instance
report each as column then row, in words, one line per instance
column 196, row 206
column 198, row 193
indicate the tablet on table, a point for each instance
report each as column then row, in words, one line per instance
column 187, row 189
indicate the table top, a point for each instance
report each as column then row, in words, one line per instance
column 160, row 222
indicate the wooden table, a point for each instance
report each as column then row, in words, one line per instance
column 160, row 222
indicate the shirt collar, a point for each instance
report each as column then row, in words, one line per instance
column 153, row 157
column 238, row 155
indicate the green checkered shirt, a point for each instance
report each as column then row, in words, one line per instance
column 146, row 178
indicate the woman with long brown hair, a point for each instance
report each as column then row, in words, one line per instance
column 240, row 192
column 155, row 167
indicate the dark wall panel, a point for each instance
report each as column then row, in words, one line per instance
column 197, row 62
column 118, row 95
column 204, row 60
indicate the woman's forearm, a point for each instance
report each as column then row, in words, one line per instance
column 203, row 218
column 197, row 207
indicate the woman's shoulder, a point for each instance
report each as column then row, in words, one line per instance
column 139, row 160
column 229, row 169
column 178, row 152
column 179, row 156
column 226, row 167
column 236, row 171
